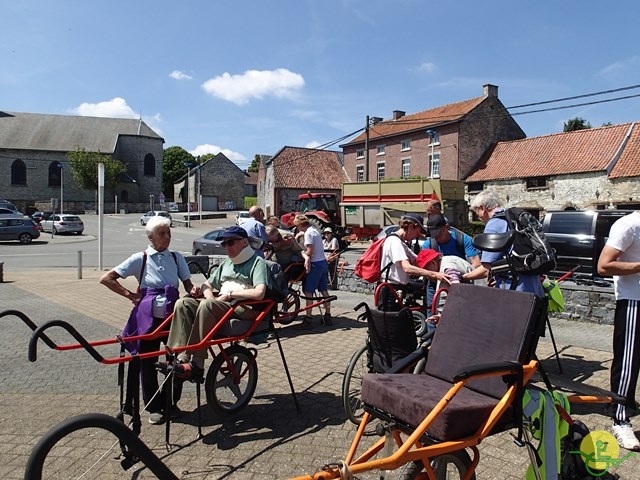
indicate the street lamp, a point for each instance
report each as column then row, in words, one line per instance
column 61, row 167
column 432, row 135
column 188, row 165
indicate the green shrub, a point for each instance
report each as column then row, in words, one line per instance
column 250, row 202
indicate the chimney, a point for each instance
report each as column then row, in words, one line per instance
column 490, row 90
column 398, row 114
column 375, row 120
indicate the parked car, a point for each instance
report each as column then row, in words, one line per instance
column 242, row 216
column 208, row 245
column 39, row 216
column 154, row 213
column 65, row 223
column 10, row 213
column 578, row 238
column 22, row 229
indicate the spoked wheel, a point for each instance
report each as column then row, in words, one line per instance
column 352, row 385
column 450, row 466
column 419, row 322
column 231, row 381
column 289, row 308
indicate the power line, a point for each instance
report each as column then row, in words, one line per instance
column 577, row 105
column 604, row 92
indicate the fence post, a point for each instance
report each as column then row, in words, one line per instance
column 79, row 264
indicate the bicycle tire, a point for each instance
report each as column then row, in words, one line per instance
column 449, row 466
column 227, row 395
column 352, row 385
column 291, row 303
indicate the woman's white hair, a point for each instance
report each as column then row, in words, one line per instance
column 486, row 199
column 156, row 222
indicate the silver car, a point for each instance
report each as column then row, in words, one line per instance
column 154, row 213
column 65, row 223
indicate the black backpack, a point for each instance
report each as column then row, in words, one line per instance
column 531, row 252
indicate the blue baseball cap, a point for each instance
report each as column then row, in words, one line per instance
column 233, row 232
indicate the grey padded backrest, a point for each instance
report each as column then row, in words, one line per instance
column 484, row 325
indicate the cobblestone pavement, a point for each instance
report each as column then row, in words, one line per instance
column 267, row 439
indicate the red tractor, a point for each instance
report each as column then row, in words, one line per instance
column 322, row 209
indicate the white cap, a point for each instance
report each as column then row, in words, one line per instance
column 327, row 230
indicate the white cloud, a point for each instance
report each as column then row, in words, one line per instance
column 428, row 67
column 240, row 89
column 178, row 75
column 114, row 108
column 207, row 148
column 312, row 144
column 622, row 69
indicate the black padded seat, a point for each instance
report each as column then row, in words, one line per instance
column 479, row 325
column 409, row 398
column 235, row 327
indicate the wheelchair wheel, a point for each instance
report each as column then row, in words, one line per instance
column 230, row 383
column 450, row 466
column 290, row 304
column 419, row 322
column 352, row 385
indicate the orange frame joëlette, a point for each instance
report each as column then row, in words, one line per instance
column 411, row 449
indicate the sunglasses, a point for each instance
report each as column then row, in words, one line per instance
column 230, row 242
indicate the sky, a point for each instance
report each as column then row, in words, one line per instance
column 250, row 77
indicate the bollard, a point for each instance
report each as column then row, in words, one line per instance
column 79, row 264
column 1, row 272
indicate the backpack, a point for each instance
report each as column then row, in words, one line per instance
column 279, row 288
column 433, row 244
column 531, row 252
column 368, row 265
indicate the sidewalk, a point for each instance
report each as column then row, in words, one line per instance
column 268, row 439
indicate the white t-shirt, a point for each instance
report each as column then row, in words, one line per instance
column 394, row 251
column 625, row 236
column 313, row 238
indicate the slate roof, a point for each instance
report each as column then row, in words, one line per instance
column 251, row 178
column 418, row 121
column 65, row 133
column 295, row 167
column 589, row 150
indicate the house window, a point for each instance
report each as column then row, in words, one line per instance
column 18, row 173
column 149, row 165
column 54, row 174
column 435, row 165
column 434, row 138
column 536, row 183
column 380, row 170
column 360, row 153
column 475, row 187
column 406, row 167
column 405, row 145
column 380, row 150
column 360, row 173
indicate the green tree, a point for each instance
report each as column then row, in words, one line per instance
column 84, row 169
column 205, row 158
column 574, row 124
column 255, row 164
column 173, row 168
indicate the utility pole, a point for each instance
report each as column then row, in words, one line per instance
column 366, row 149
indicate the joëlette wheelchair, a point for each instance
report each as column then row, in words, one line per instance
column 481, row 357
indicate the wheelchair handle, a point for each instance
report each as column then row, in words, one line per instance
column 39, row 332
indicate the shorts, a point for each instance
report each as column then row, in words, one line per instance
column 317, row 278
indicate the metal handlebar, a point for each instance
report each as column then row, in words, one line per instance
column 39, row 333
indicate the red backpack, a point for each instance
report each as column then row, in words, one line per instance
column 368, row 265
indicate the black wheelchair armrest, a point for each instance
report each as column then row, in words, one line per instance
column 509, row 367
column 410, row 360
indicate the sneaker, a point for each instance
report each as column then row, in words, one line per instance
column 625, row 436
column 327, row 320
column 156, row 418
column 188, row 371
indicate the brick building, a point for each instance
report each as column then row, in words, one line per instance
column 220, row 182
column 442, row 142
column 32, row 146
column 595, row 168
column 295, row 170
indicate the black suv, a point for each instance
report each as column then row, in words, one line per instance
column 578, row 238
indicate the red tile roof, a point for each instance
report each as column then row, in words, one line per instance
column 587, row 150
column 425, row 119
column 629, row 163
column 311, row 168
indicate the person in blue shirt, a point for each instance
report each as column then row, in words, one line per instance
column 254, row 226
column 488, row 207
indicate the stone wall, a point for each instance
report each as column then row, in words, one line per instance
column 582, row 303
